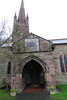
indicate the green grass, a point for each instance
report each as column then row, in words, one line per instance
column 5, row 96
column 60, row 96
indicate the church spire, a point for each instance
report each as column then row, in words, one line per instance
column 21, row 16
column 27, row 20
column 15, row 19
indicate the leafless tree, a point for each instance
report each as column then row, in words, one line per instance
column 4, row 31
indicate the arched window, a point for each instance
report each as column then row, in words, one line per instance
column 65, row 61
column 61, row 64
column 9, row 68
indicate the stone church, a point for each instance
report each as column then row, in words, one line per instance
column 29, row 60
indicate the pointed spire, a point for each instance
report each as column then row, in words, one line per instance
column 27, row 15
column 27, row 20
column 15, row 17
column 21, row 12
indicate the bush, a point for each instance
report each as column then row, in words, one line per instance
column 52, row 88
column 13, row 90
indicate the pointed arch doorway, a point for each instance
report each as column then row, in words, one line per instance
column 33, row 75
column 33, row 72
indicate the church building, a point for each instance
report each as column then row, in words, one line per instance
column 30, row 60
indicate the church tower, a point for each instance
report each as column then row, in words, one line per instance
column 21, row 24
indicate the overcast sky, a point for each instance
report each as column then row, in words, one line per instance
column 47, row 18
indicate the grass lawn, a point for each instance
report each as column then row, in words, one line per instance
column 5, row 96
column 60, row 96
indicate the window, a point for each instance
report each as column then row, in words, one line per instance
column 63, row 63
column 31, row 45
column 9, row 68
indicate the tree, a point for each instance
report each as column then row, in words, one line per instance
column 5, row 53
column 4, row 31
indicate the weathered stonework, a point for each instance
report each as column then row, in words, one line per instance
column 44, row 60
column 44, row 57
column 5, row 57
column 58, row 51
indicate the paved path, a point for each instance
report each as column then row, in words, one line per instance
column 33, row 96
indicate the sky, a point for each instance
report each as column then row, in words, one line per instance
column 47, row 18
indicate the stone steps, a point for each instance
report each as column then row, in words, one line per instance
column 33, row 90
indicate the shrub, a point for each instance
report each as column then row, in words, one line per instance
column 13, row 90
column 52, row 88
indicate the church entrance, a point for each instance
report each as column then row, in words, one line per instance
column 33, row 75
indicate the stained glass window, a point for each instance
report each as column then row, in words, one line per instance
column 31, row 45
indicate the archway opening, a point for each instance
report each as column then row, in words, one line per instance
column 33, row 75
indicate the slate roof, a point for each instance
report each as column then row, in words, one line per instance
column 59, row 41
column 8, row 44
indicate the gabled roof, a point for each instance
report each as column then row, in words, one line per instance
column 34, row 35
column 9, row 44
column 54, row 41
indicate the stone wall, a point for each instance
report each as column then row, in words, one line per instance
column 60, row 50
column 51, row 59
column 45, row 57
column 5, row 57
